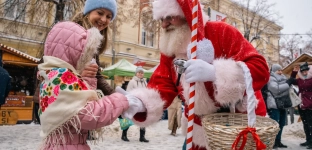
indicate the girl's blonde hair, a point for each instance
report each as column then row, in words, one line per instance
column 83, row 20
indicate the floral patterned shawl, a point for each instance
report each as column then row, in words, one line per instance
column 62, row 93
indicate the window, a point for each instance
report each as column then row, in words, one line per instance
column 151, row 40
column 143, row 38
column 15, row 9
column 147, row 39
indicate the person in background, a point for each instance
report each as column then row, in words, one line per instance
column 277, row 87
column 174, row 115
column 36, row 103
column 291, row 112
column 5, row 86
column 304, row 83
column 136, row 82
column 68, row 100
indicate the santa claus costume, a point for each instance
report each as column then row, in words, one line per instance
column 219, row 45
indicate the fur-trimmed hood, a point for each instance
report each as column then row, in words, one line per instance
column 309, row 76
column 76, row 45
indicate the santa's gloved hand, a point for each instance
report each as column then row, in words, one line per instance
column 198, row 70
column 135, row 104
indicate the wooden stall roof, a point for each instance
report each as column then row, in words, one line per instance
column 14, row 56
column 301, row 59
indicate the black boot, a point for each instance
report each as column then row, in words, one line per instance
column 281, row 145
column 124, row 135
column 309, row 145
column 142, row 135
column 304, row 144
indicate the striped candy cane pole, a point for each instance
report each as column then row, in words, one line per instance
column 192, row 85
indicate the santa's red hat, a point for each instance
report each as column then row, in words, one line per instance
column 183, row 8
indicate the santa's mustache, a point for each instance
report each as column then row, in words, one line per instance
column 170, row 28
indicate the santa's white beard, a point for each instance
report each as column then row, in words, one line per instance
column 175, row 42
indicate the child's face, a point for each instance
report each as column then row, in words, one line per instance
column 100, row 18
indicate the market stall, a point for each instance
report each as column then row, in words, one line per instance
column 123, row 71
column 298, row 61
column 22, row 69
column 124, row 68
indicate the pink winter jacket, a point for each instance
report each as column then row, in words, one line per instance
column 75, row 45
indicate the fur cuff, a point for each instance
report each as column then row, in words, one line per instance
column 229, row 85
column 94, row 39
column 153, row 104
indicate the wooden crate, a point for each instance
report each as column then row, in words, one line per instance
column 24, row 113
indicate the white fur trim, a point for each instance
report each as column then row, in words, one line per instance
column 309, row 76
column 204, row 51
column 203, row 103
column 94, row 39
column 229, row 85
column 153, row 104
column 199, row 134
column 164, row 8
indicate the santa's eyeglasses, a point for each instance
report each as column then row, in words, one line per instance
column 171, row 18
column 167, row 19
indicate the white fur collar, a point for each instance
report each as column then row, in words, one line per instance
column 309, row 76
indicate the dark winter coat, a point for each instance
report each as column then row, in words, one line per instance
column 305, row 88
column 101, row 82
column 5, row 85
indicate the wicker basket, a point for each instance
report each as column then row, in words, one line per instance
column 223, row 128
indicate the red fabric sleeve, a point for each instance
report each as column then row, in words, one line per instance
column 163, row 79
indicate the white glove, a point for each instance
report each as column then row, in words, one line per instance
column 135, row 104
column 198, row 70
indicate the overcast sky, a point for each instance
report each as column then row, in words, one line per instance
column 297, row 15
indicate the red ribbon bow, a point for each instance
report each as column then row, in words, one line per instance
column 259, row 144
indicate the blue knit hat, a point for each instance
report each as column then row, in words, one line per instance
column 95, row 4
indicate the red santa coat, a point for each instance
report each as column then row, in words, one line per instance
column 229, row 88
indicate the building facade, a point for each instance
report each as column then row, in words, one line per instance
column 25, row 25
column 263, row 33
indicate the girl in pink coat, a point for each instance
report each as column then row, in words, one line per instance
column 69, row 104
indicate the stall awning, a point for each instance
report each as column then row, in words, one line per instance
column 302, row 58
column 13, row 56
column 123, row 68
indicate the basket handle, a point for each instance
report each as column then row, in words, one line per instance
column 251, row 98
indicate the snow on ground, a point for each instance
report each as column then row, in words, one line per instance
column 26, row 137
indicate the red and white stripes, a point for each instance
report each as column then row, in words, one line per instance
column 191, row 105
